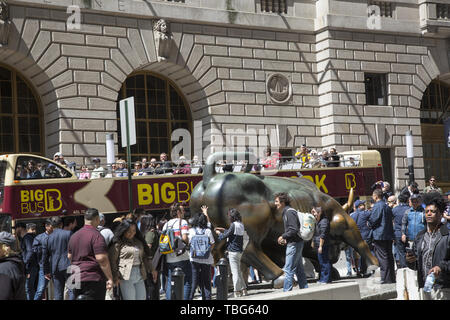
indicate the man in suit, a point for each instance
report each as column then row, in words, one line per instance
column 30, row 261
column 380, row 222
column 55, row 258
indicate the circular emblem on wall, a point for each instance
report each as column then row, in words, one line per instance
column 279, row 88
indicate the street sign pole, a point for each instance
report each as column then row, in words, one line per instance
column 130, row 190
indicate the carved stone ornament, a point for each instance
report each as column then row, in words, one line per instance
column 5, row 23
column 162, row 39
column 279, row 88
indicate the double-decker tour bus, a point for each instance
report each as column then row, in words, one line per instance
column 34, row 187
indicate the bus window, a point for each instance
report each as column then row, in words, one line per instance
column 28, row 167
column 2, row 180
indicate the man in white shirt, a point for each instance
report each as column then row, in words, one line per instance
column 98, row 172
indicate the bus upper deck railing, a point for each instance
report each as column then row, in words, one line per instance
column 119, row 169
column 44, row 169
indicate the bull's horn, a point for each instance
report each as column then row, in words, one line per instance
column 209, row 171
column 349, row 203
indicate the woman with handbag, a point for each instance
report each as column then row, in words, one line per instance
column 130, row 261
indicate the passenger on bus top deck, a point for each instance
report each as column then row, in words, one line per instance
column 314, row 162
column 138, row 169
column 84, row 174
column 333, row 159
column 324, row 157
column 32, row 170
column 351, row 162
column 302, row 154
column 145, row 166
column 98, row 172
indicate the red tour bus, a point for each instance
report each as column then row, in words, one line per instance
column 51, row 188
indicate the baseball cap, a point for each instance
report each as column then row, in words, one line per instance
column 96, row 160
column 359, row 202
column 57, row 154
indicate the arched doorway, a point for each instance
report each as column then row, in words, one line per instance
column 160, row 108
column 20, row 115
column 433, row 111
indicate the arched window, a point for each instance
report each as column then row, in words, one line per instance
column 433, row 110
column 435, row 102
column 20, row 115
column 159, row 110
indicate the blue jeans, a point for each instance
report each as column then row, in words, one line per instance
column 325, row 265
column 59, row 282
column 185, row 265
column 42, row 284
column 401, row 252
column 134, row 287
column 294, row 265
column 31, row 282
column 349, row 259
column 201, row 275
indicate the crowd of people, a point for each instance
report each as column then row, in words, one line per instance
column 122, row 260
column 140, row 168
column 307, row 158
column 407, row 230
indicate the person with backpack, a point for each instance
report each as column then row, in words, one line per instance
column 179, row 258
column 201, row 242
column 321, row 242
column 235, row 248
column 107, row 233
column 293, row 242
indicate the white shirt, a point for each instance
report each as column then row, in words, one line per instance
column 210, row 259
column 97, row 173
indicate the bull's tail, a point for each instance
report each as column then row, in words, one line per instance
column 209, row 170
column 349, row 203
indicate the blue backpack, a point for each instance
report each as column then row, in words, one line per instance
column 200, row 245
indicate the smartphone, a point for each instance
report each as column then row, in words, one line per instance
column 409, row 251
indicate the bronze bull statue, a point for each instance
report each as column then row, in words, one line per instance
column 253, row 196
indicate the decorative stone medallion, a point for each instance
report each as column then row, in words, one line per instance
column 279, row 88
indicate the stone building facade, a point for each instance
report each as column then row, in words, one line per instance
column 232, row 61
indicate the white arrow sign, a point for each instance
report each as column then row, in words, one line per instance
column 127, row 118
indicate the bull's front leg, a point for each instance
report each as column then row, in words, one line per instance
column 254, row 256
